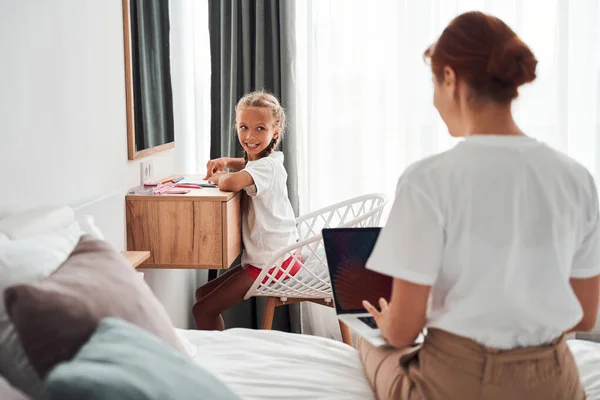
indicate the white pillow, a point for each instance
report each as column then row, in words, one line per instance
column 38, row 221
column 89, row 227
column 3, row 238
column 28, row 260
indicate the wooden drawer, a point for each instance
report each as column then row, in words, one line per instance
column 199, row 230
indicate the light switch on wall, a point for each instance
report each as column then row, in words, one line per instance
column 146, row 171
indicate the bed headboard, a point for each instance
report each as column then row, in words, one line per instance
column 109, row 215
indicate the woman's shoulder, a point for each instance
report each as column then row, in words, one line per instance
column 427, row 167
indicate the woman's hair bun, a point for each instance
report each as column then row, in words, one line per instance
column 512, row 63
column 486, row 54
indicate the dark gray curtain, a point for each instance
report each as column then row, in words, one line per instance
column 253, row 47
column 153, row 97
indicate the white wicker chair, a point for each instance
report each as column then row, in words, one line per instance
column 311, row 282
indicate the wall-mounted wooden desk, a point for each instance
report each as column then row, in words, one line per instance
column 136, row 258
column 198, row 230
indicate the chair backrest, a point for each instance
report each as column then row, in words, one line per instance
column 312, row 281
column 345, row 213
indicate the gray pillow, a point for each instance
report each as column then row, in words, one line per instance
column 122, row 361
column 56, row 316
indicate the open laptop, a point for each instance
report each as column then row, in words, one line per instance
column 347, row 251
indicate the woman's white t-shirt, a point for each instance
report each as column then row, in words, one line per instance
column 268, row 221
column 497, row 225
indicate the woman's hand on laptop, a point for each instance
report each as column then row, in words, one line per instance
column 381, row 317
column 404, row 317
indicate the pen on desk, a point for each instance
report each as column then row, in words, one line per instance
column 183, row 185
column 174, row 180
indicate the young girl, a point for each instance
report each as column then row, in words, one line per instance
column 268, row 222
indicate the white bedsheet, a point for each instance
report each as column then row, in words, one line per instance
column 587, row 356
column 260, row 364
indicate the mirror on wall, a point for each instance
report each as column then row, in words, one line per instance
column 149, row 97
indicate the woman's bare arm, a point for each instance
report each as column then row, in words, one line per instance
column 587, row 291
column 407, row 313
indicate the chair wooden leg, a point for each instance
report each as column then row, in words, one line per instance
column 269, row 312
column 346, row 334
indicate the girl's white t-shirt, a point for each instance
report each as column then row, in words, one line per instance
column 497, row 226
column 268, row 221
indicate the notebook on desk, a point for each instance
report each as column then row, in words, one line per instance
column 195, row 180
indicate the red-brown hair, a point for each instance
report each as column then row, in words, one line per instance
column 486, row 54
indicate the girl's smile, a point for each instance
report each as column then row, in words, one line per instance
column 256, row 130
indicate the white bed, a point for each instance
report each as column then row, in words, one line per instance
column 260, row 364
column 276, row 365
column 587, row 356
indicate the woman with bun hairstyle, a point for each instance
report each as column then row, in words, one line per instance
column 502, row 231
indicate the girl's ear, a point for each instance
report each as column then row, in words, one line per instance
column 276, row 135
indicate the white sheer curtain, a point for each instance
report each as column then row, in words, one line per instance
column 190, row 74
column 367, row 94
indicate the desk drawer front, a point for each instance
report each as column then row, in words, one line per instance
column 176, row 232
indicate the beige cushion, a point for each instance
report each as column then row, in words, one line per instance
column 56, row 316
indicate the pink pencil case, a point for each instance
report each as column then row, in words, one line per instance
column 177, row 191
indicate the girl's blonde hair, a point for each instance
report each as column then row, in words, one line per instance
column 263, row 99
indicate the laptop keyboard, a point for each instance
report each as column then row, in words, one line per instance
column 369, row 321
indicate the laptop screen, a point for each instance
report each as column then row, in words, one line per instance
column 347, row 251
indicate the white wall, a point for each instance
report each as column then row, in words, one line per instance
column 62, row 115
column 62, row 103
